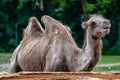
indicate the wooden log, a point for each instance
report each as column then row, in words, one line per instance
column 60, row 76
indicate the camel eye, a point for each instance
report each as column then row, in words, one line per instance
column 93, row 24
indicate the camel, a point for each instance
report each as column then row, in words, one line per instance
column 54, row 49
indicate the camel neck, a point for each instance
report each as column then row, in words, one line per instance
column 91, row 43
column 90, row 53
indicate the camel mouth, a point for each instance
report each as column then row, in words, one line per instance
column 107, row 27
column 106, row 30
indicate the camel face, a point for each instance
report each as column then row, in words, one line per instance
column 99, row 26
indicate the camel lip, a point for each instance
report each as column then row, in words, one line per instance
column 107, row 27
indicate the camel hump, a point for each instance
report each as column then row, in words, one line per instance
column 48, row 22
column 34, row 23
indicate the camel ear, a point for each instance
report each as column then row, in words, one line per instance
column 35, row 25
column 84, row 25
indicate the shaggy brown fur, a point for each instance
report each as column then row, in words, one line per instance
column 55, row 50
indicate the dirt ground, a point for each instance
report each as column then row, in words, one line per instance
column 59, row 76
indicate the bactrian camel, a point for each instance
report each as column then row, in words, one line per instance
column 54, row 49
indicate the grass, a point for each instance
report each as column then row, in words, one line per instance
column 106, row 60
column 5, row 60
column 107, row 69
column 109, row 59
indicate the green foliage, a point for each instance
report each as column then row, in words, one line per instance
column 17, row 12
column 14, row 12
column 94, row 7
column 114, row 50
column 90, row 7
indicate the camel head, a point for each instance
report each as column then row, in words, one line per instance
column 97, row 26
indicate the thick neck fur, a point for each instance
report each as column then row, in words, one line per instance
column 90, row 53
column 91, row 42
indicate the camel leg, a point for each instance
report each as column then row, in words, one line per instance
column 13, row 68
column 52, row 64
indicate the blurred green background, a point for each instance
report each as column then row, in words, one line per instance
column 14, row 16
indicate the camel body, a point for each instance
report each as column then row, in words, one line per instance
column 54, row 49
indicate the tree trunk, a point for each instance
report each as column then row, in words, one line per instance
column 84, row 9
column 46, row 6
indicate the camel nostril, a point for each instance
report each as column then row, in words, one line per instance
column 106, row 22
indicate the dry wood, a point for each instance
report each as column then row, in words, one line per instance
column 59, row 76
